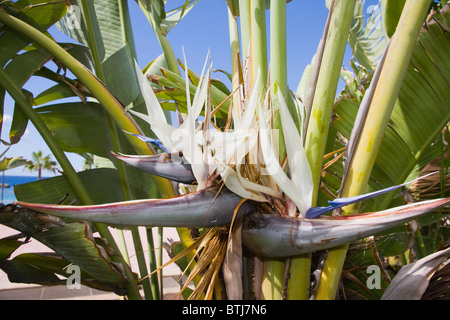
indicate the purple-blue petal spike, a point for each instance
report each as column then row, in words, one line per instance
column 155, row 142
column 337, row 203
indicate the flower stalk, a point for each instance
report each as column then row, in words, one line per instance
column 258, row 50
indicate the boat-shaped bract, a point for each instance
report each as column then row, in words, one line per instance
column 270, row 235
column 206, row 208
column 171, row 166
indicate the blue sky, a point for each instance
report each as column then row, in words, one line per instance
column 204, row 28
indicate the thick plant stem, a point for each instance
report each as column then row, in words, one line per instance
column 97, row 89
column 234, row 46
column 142, row 265
column 258, row 49
column 331, row 273
column 273, row 269
column 272, row 279
column 278, row 46
column 91, row 23
column 245, row 24
column 299, row 280
column 69, row 171
column 322, row 107
column 385, row 94
column 333, row 54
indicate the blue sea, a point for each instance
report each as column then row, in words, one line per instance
column 7, row 194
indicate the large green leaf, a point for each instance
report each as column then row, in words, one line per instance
column 119, row 75
column 11, row 42
column 104, row 27
column 21, row 68
column 23, row 272
column 368, row 41
column 42, row 16
column 103, row 184
column 78, row 127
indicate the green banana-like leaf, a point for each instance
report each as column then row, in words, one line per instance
column 23, row 272
column 176, row 90
column 368, row 41
column 420, row 112
column 103, row 184
column 19, row 121
column 391, row 11
column 11, row 42
column 162, row 20
column 42, row 16
column 21, row 68
column 45, row 268
column 8, row 246
column 74, row 241
column 104, row 27
column 78, row 127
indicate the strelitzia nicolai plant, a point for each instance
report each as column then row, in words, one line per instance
column 238, row 174
column 289, row 227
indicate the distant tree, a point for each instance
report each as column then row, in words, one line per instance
column 40, row 163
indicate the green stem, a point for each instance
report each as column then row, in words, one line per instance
column 299, row 282
column 272, row 279
column 234, row 46
column 88, row 10
column 244, row 12
column 420, row 243
column 318, row 126
column 153, row 266
column 322, row 107
column 258, row 42
column 331, row 273
column 168, row 52
column 123, row 246
column 385, row 94
column 92, row 25
column 102, row 95
column 159, row 259
column 273, row 270
column 162, row 39
column 142, row 265
column 278, row 46
column 127, row 31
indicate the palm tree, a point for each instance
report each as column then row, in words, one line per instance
column 40, row 163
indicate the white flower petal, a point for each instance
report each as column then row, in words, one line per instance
column 299, row 167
